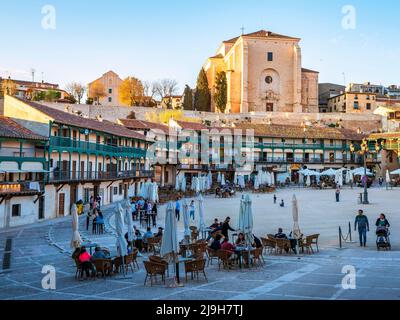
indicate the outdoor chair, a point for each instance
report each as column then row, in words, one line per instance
column 211, row 255
column 314, row 240
column 159, row 260
column 307, row 245
column 271, row 237
column 269, row 245
column 283, row 245
column 153, row 270
column 153, row 244
column 103, row 266
column 194, row 267
column 256, row 257
column 79, row 268
column 224, row 259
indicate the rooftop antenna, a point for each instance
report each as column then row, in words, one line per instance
column 344, row 78
column 42, row 77
column 242, row 28
column 33, row 74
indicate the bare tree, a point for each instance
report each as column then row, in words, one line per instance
column 166, row 87
column 76, row 90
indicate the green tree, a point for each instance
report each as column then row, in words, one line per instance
column 187, row 98
column 52, row 95
column 202, row 97
column 221, row 91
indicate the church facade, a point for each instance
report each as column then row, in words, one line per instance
column 264, row 74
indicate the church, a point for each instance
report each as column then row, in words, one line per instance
column 264, row 74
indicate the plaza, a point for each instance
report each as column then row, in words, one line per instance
column 302, row 277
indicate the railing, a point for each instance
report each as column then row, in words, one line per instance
column 21, row 187
column 60, row 142
column 307, row 161
column 205, row 167
column 66, row 176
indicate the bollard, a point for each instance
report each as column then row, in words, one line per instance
column 351, row 240
column 340, row 237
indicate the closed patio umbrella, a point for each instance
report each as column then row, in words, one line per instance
column 256, row 182
column 186, row 221
column 202, row 223
column 223, row 180
column 177, row 185
column 241, row 182
column 169, row 243
column 308, row 181
column 76, row 237
column 209, row 180
column 387, row 182
column 122, row 245
column 219, row 177
column 349, row 177
column 183, row 184
column 246, row 219
column 295, row 213
column 129, row 221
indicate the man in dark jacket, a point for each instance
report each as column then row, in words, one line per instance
column 226, row 227
column 363, row 227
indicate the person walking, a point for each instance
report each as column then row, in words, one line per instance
column 337, row 193
column 178, row 209
column 275, row 198
column 362, row 224
column 154, row 214
column 380, row 180
column 226, row 227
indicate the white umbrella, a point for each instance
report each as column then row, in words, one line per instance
column 361, row 172
column 76, row 237
column 197, row 185
column 295, row 213
column 186, row 221
column 209, row 180
column 308, row 181
column 329, row 172
column 183, row 184
column 223, row 180
column 256, row 183
column 219, row 177
column 395, row 172
column 153, row 192
column 301, row 178
column 388, row 176
column 129, row 221
column 241, row 182
column 349, row 176
column 272, row 178
column 169, row 243
column 177, row 186
column 202, row 223
column 246, row 219
column 122, row 245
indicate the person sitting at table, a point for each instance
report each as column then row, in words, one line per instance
column 146, row 236
column 227, row 246
column 215, row 227
column 257, row 242
column 100, row 221
column 134, row 210
column 280, row 234
column 85, row 260
column 216, row 244
column 215, row 224
column 138, row 239
column 159, row 233
column 99, row 254
column 241, row 241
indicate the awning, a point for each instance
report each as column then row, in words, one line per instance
column 33, row 167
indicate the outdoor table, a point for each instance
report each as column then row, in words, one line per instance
column 239, row 252
column 90, row 246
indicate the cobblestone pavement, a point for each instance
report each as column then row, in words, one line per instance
column 317, row 276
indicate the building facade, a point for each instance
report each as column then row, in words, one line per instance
column 353, row 102
column 264, row 73
column 111, row 82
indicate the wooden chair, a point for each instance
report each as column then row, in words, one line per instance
column 103, row 266
column 194, row 267
column 282, row 245
column 271, row 236
column 314, row 240
column 134, row 254
column 307, row 245
column 159, row 260
column 224, row 259
column 211, row 255
column 269, row 245
column 153, row 244
column 153, row 270
column 79, row 269
column 256, row 257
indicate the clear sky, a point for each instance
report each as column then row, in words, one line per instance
column 172, row 38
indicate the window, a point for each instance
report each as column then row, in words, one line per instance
column 110, row 91
column 268, row 79
column 16, row 210
column 109, row 99
column 356, row 97
column 356, row 107
column 120, row 188
column 270, row 56
column 115, row 191
column 368, row 106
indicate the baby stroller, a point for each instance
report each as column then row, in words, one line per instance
column 382, row 238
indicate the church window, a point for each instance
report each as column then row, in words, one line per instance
column 270, row 56
column 268, row 79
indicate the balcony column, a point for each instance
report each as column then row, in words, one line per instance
column 162, row 176
column 96, row 175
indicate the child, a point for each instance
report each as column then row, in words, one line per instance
column 282, row 204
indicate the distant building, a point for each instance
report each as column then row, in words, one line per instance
column 367, row 87
column 264, row 74
column 111, row 82
column 353, row 102
column 28, row 89
column 172, row 102
column 327, row 91
column 393, row 92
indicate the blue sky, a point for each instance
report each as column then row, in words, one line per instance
column 172, row 39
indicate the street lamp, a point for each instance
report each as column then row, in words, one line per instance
column 364, row 151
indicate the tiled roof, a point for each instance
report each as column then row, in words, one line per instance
column 11, row 129
column 262, row 34
column 191, row 125
column 386, row 135
column 135, row 124
column 281, row 131
column 77, row 121
column 308, row 70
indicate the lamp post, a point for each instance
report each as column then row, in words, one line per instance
column 364, row 151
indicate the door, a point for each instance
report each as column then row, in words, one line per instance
column 73, row 194
column 269, row 107
column 41, row 208
column 82, row 169
column 65, row 169
column 125, row 191
column 61, row 204
column 74, row 170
